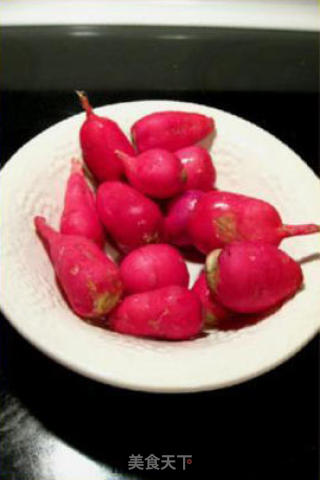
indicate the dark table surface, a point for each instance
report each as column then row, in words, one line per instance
column 57, row 425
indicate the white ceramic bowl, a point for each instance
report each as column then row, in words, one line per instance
column 248, row 160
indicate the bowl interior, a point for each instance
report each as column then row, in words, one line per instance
column 248, row 160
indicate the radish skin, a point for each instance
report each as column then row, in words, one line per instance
column 177, row 217
column 156, row 173
column 131, row 219
column 170, row 130
column 99, row 138
column 214, row 314
column 200, row 171
column 89, row 279
column 80, row 215
column 170, row 313
column 248, row 277
column 151, row 267
column 220, row 218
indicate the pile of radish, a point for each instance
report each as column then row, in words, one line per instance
column 154, row 196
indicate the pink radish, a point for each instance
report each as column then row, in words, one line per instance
column 171, row 130
column 214, row 314
column 129, row 217
column 99, row 138
column 157, row 172
column 200, row 172
column 176, row 220
column 223, row 217
column 172, row 313
column 90, row 280
column 249, row 277
column 151, row 267
column 79, row 215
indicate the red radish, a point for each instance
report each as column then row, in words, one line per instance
column 172, row 313
column 214, row 314
column 157, row 172
column 176, row 220
column 99, row 138
column 130, row 218
column 79, row 215
column 90, row 280
column 222, row 217
column 201, row 174
column 151, row 267
column 251, row 277
column 170, row 130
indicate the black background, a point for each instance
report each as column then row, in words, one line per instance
column 265, row 428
